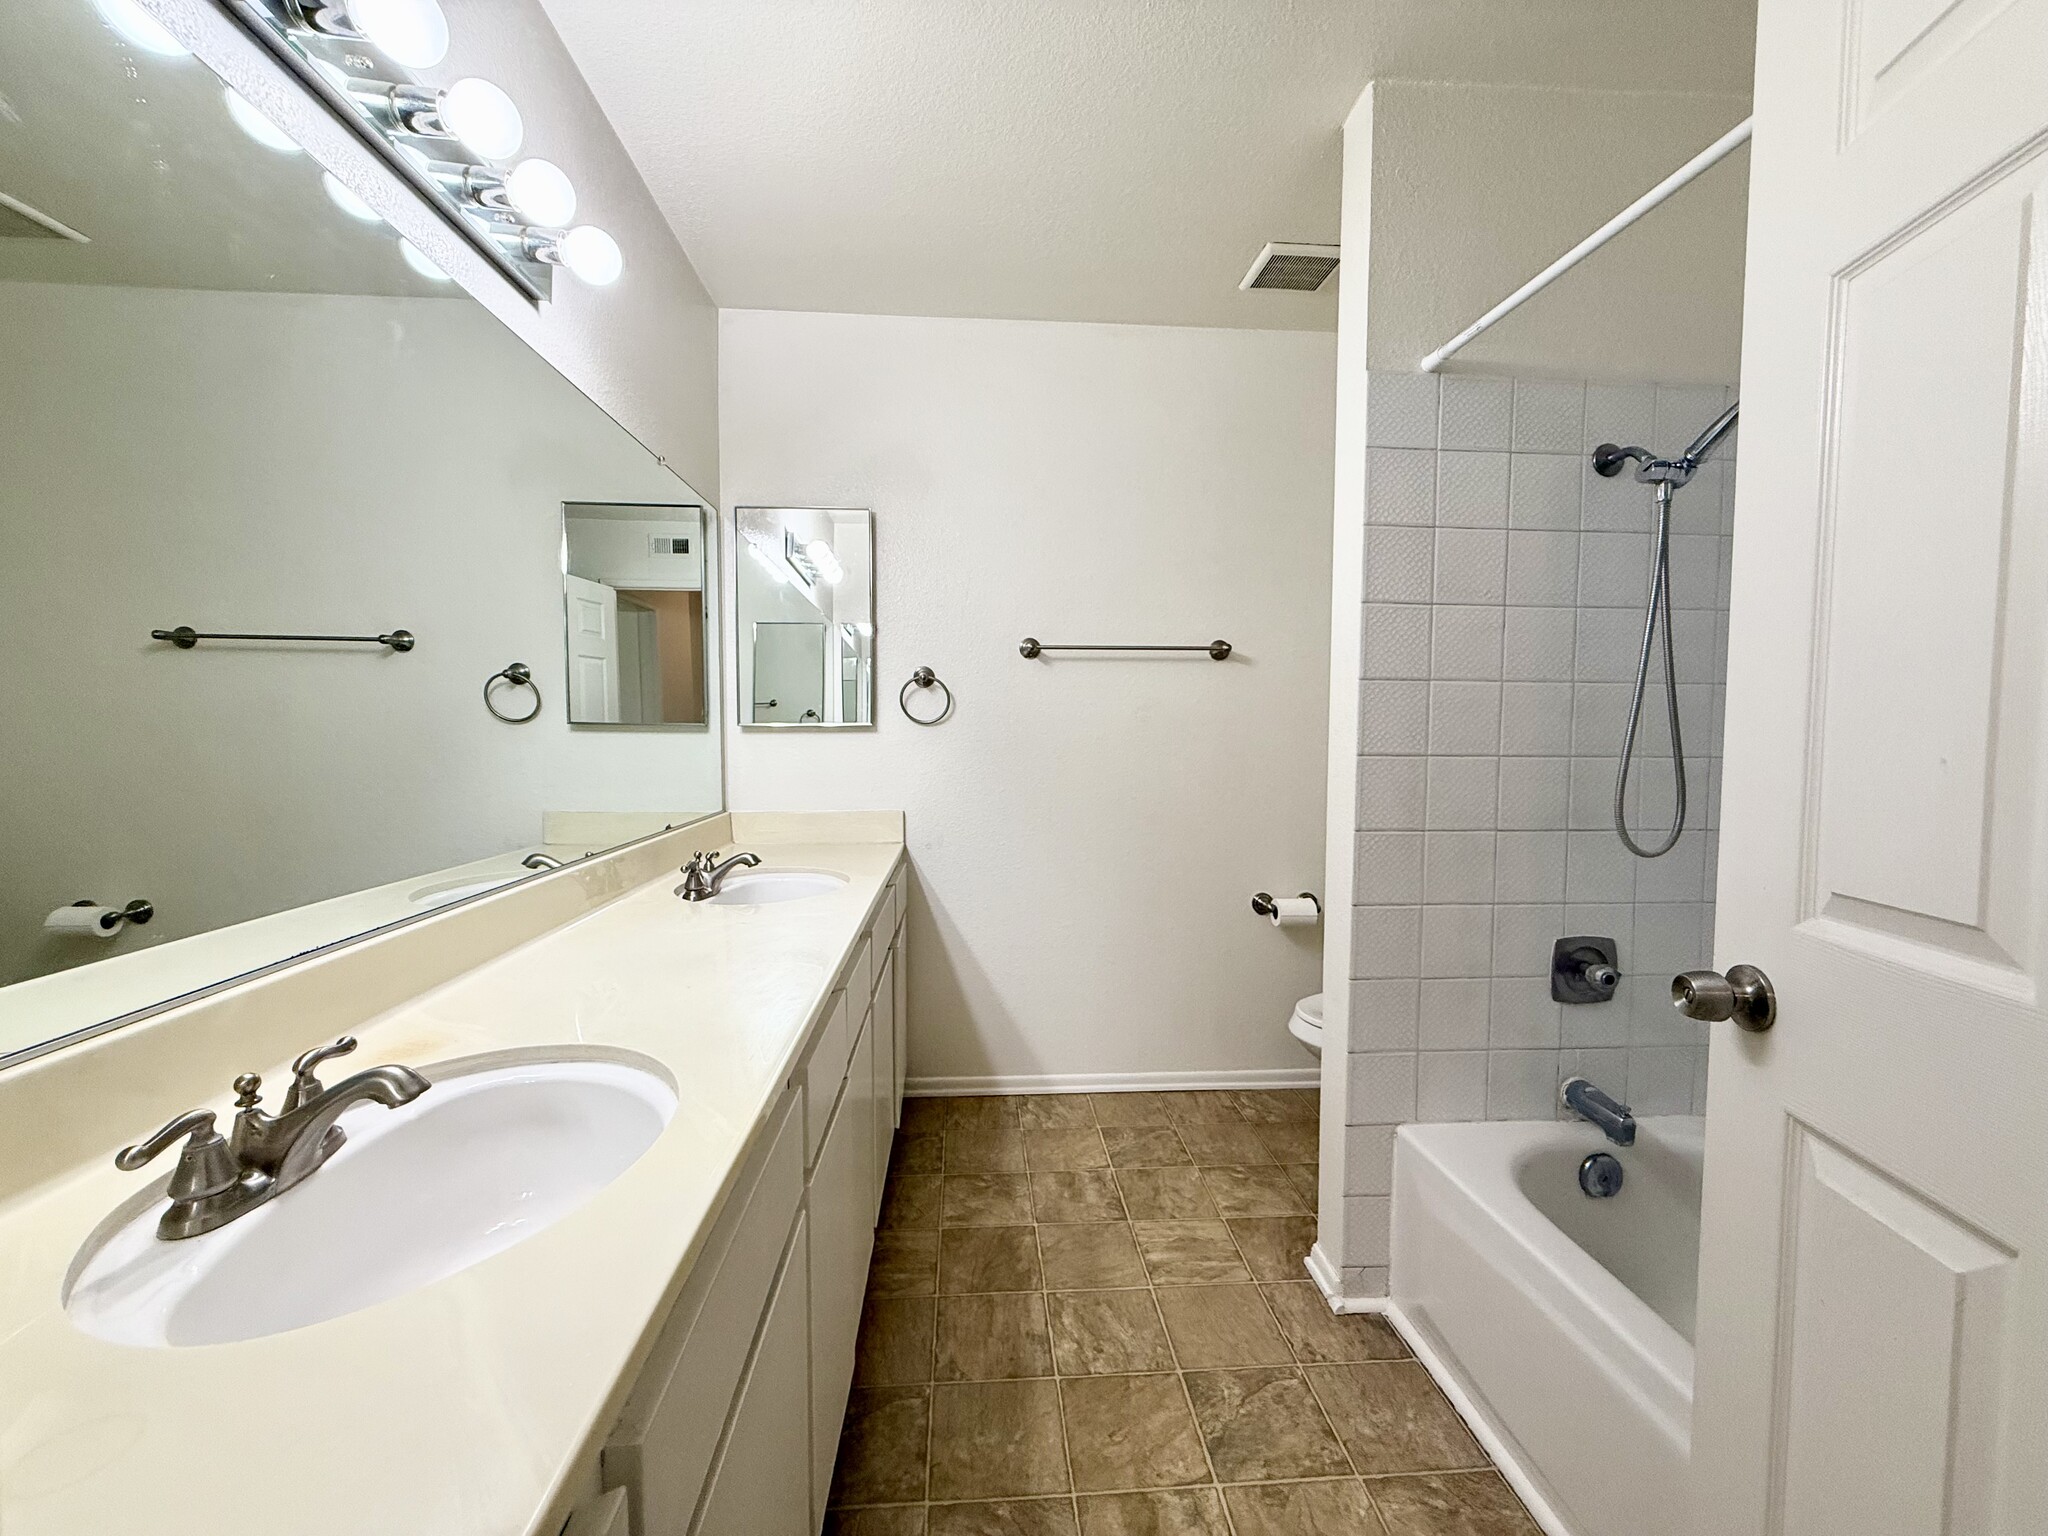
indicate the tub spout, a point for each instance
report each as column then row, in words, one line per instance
column 1615, row 1120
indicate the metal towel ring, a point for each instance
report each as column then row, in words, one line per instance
column 519, row 675
column 925, row 677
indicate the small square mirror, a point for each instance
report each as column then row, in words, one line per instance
column 633, row 597
column 805, row 606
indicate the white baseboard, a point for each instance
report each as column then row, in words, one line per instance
column 1329, row 1280
column 1113, row 1082
column 1499, row 1449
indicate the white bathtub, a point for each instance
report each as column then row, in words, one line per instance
column 1565, row 1322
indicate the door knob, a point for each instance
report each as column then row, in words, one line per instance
column 1743, row 995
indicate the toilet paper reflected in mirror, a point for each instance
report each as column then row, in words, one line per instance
column 1296, row 912
column 84, row 922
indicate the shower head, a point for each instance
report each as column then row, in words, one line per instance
column 1667, row 474
column 1710, row 439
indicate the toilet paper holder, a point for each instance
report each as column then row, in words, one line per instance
column 137, row 911
column 1262, row 903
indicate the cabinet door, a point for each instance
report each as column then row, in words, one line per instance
column 883, row 1027
column 842, row 1209
column 752, row 1491
column 900, row 964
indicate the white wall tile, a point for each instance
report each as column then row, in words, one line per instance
column 1668, row 933
column 1463, row 793
column 1592, row 807
column 1660, row 1080
column 1472, row 492
column 1602, row 1067
column 1457, row 867
column 1534, row 793
column 1385, row 942
column 1549, row 416
column 1400, row 486
column 1388, row 869
column 1537, row 644
column 1454, row 1013
column 1393, row 717
column 1684, row 411
column 1464, row 718
column 1544, row 491
column 1399, row 564
column 1536, row 719
column 1696, row 507
column 1369, row 1159
column 1366, row 1242
column 1677, row 876
column 1696, row 634
column 1522, row 1015
column 1477, row 413
column 1609, row 641
column 1542, row 568
column 1622, row 504
column 1471, row 565
column 1450, row 1086
column 1382, row 1087
column 1529, row 866
column 1392, row 793
column 1597, row 868
column 1620, row 413
column 1599, row 714
column 1396, row 641
column 1614, row 570
column 1385, row 1013
column 1695, row 570
column 1466, row 642
column 1523, row 935
column 1604, row 1024
column 1521, row 1085
column 1400, row 409
column 1362, row 1279
column 1457, row 941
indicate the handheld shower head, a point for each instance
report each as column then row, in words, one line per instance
column 1710, row 439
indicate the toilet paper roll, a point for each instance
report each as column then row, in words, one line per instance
column 85, row 922
column 1296, row 912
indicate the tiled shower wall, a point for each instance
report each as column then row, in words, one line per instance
column 1504, row 590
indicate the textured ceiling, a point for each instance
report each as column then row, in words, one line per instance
column 1069, row 159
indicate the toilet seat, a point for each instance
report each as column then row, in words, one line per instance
column 1306, row 1022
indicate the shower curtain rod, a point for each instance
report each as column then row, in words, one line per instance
column 1707, row 158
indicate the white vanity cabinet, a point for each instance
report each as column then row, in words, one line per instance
column 733, row 1424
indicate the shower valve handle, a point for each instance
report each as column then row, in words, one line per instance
column 1744, row 995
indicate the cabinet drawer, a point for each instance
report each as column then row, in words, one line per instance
column 882, row 1028
column 823, row 1071
column 665, row 1439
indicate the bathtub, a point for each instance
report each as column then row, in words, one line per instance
column 1563, row 1323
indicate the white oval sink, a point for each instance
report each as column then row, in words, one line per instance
column 761, row 889
column 497, row 1150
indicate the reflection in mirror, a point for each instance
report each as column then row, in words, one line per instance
column 234, row 401
column 634, row 609
column 805, row 599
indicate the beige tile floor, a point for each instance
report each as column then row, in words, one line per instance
column 1087, row 1316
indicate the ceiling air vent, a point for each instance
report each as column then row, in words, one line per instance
column 18, row 221
column 1297, row 268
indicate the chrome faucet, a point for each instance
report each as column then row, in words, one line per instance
column 541, row 861
column 218, row 1180
column 704, row 877
column 1616, row 1121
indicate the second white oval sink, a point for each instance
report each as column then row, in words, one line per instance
column 759, row 890
column 494, row 1152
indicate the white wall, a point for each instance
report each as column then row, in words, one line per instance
column 1476, row 188
column 1086, row 833
column 280, row 462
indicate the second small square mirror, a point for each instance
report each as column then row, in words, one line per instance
column 806, row 616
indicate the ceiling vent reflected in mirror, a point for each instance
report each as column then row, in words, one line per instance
column 1292, row 268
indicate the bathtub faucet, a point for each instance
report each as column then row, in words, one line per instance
column 1615, row 1120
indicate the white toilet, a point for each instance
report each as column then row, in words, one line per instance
column 1306, row 1023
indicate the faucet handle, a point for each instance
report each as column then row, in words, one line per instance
column 305, row 1085
column 206, row 1166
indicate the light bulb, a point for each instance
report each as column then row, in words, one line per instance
column 592, row 255
column 483, row 117
column 420, row 262
column 339, row 194
column 140, row 28
column 778, row 570
column 409, row 32
column 256, row 125
column 826, row 562
column 540, row 193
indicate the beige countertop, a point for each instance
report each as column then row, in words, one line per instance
column 462, row 1407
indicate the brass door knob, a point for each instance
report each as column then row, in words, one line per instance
column 1743, row 995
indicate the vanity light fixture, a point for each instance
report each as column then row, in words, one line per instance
column 343, row 197
column 541, row 193
column 472, row 110
column 778, row 570
column 250, row 119
column 409, row 32
column 140, row 28
column 825, row 562
column 587, row 251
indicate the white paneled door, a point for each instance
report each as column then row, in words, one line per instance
column 1873, row 1329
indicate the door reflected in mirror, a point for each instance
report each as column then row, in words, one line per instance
column 806, row 616
column 634, row 611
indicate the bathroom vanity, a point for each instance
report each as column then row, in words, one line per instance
column 674, row 1355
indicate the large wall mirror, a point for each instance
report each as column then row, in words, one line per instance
column 234, row 404
column 804, row 597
